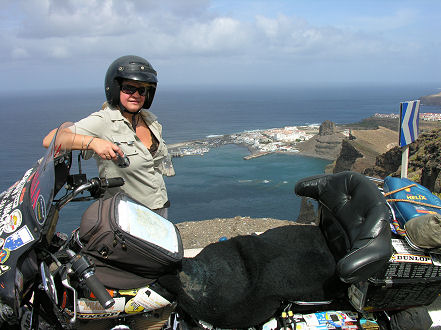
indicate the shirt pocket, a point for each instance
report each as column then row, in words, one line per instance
column 126, row 143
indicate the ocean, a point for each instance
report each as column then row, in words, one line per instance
column 220, row 183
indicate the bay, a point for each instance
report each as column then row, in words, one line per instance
column 220, row 183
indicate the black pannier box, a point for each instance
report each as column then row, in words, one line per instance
column 411, row 278
column 129, row 244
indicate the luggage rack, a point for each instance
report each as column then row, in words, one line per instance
column 411, row 277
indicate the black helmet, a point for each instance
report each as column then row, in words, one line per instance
column 133, row 68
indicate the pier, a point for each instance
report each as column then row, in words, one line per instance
column 257, row 154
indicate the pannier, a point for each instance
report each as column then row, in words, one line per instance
column 129, row 244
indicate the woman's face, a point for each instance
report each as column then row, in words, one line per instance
column 130, row 95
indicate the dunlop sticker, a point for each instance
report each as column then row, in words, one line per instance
column 413, row 258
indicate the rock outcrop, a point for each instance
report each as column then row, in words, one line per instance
column 326, row 144
column 360, row 149
column 307, row 213
column 385, row 164
column 347, row 157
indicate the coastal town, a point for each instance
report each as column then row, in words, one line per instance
column 258, row 142
column 263, row 142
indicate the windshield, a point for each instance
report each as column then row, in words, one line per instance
column 32, row 195
column 52, row 171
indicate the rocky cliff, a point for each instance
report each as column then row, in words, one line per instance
column 326, row 144
column 434, row 99
column 424, row 161
column 375, row 152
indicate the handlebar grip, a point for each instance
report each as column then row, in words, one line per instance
column 114, row 182
column 98, row 289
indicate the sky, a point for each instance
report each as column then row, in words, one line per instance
column 50, row 44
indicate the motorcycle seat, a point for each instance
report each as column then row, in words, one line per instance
column 354, row 219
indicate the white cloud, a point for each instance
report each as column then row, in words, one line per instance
column 194, row 34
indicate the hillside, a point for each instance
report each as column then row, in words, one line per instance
column 362, row 149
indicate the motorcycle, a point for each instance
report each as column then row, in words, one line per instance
column 49, row 280
column 349, row 272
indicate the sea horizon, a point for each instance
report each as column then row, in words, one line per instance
column 205, row 187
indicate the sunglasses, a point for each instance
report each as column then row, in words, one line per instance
column 130, row 89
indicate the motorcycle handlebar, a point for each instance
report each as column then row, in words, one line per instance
column 113, row 182
column 98, row 289
column 95, row 186
column 86, row 272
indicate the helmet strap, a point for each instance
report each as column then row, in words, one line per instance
column 135, row 118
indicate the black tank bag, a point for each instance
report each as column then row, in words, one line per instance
column 129, row 244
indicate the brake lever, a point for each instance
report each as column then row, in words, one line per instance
column 122, row 162
column 66, row 283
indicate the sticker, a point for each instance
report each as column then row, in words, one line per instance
column 5, row 215
column 22, row 195
column 420, row 259
column 2, row 241
column 150, row 300
column 40, row 210
column 416, row 197
column 93, row 316
column 4, row 255
column 131, row 292
column 4, row 269
column 21, row 237
column 93, row 306
column 15, row 193
column 97, row 316
column 132, row 307
column 15, row 219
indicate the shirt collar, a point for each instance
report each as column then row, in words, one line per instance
column 115, row 114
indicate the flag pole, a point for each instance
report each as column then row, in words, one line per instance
column 404, row 161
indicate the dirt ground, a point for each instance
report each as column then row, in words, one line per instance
column 198, row 234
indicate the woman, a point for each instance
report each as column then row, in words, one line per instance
column 125, row 127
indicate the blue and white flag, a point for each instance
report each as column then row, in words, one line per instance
column 409, row 122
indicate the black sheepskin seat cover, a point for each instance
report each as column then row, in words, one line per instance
column 241, row 282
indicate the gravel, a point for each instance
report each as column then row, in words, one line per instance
column 198, row 234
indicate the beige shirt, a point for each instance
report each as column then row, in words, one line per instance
column 143, row 177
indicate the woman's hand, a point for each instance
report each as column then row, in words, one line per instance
column 105, row 149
